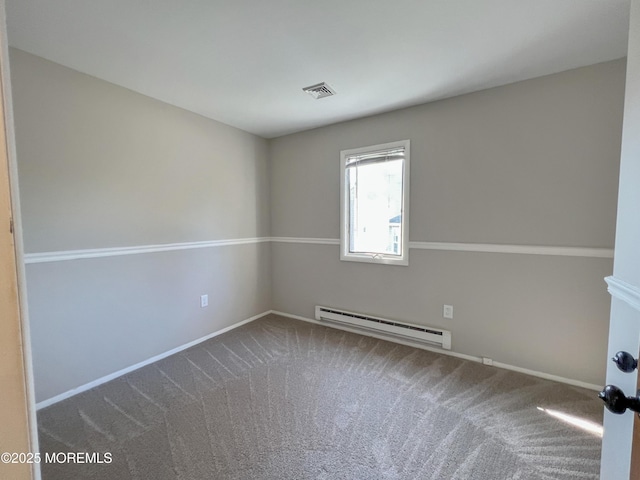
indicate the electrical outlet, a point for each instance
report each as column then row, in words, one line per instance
column 487, row 361
column 204, row 301
column 447, row 311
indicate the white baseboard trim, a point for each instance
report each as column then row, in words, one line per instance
column 548, row 376
column 87, row 386
column 472, row 358
column 124, row 371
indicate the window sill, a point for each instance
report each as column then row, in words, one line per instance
column 378, row 258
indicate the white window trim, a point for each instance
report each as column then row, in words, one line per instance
column 345, row 254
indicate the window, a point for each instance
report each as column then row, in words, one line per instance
column 375, row 204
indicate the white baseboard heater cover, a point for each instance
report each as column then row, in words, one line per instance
column 416, row 333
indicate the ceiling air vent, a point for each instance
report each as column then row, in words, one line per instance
column 320, row 90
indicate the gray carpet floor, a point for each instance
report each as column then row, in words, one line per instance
column 284, row 399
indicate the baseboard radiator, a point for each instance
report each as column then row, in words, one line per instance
column 407, row 331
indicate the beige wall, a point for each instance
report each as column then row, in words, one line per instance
column 627, row 264
column 532, row 163
column 100, row 167
column 90, row 318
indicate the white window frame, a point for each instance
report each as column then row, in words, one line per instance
column 382, row 258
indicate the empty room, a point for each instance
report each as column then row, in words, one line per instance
column 349, row 240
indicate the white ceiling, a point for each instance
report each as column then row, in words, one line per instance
column 244, row 62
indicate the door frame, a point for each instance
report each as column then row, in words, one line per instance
column 23, row 313
column 624, row 284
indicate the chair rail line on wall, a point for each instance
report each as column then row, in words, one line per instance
column 58, row 256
